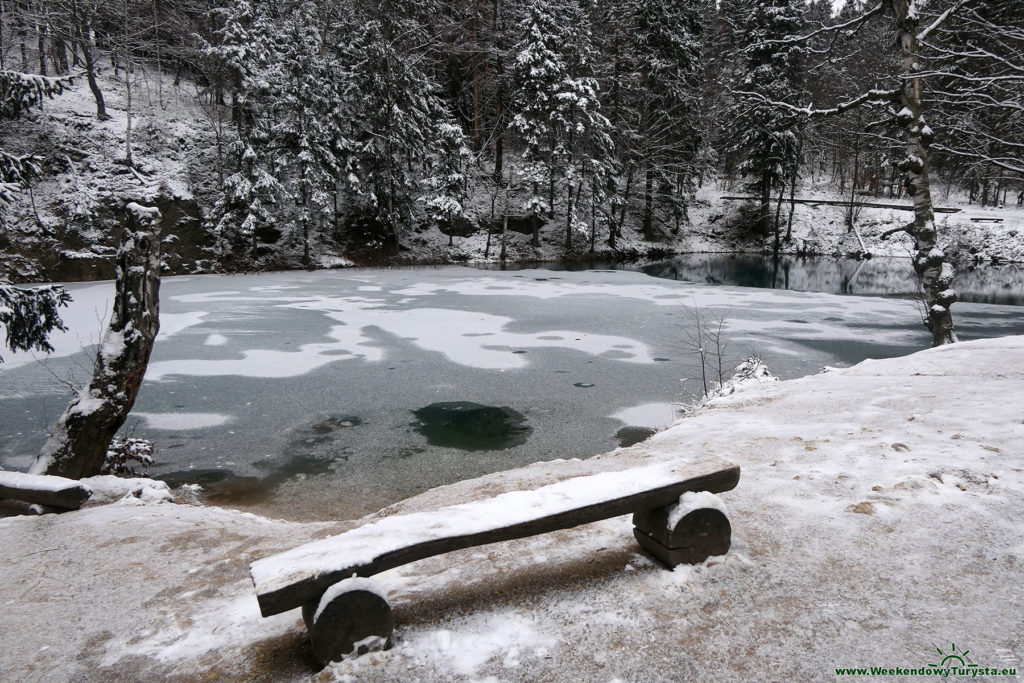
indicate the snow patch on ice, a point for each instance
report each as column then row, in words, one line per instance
column 173, row 323
column 215, row 340
column 182, row 421
column 441, row 330
column 652, row 415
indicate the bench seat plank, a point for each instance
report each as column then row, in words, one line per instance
column 301, row 575
column 55, row 492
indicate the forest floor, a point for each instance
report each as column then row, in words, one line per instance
column 72, row 213
column 876, row 523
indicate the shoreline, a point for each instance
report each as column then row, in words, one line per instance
column 840, row 469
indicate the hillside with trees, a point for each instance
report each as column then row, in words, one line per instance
column 314, row 134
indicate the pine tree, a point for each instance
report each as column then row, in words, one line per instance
column 558, row 111
column 302, row 108
column 395, row 122
column 762, row 136
column 240, row 64
column 28, row 316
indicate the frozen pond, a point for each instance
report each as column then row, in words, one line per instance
column 333, row 393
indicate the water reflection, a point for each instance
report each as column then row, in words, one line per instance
column 876, row 277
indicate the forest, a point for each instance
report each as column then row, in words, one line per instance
column 358, row 123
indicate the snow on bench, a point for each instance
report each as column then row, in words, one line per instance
column 54, row 492
column 342, row 617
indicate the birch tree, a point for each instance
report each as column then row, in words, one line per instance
column 906, row 96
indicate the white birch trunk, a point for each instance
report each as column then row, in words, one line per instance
column 935, row 273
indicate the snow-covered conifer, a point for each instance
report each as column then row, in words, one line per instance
column 558, row 110
column 396, row 122
column 302, row 108
column 241, row 63
column 762, row 135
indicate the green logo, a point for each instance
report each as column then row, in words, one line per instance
column 952, row 663
column 952, row 659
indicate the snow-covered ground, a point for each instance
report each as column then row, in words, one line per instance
column 877, row 521
column 974, row 235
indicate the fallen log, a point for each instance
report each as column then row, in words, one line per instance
column 49, row 491
column 836, row 202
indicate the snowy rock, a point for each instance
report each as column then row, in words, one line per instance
column 108, row 489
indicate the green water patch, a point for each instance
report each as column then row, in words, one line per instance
column 629, row 436
column 471, row 426
column 313, row 449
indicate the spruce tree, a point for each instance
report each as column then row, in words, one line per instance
column 558, row 111
column 762, row 136
column 27, row 316
column 396, row 122
column 303, row 105
column 240, row 62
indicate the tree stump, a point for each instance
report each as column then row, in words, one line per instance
column 352, row 618
column 699, row 533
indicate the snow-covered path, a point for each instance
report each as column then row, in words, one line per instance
column 878, row 522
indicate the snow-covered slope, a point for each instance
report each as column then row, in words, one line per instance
column 877, row 519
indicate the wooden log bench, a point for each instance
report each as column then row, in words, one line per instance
column 981, row 219
column 675, row 515
column 57, row 493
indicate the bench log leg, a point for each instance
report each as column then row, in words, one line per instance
column 350, row 619
column 700, row 534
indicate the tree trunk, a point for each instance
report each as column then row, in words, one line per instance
column 764, row 214
column 792, row 204
column 499, row 74
column 568, row 217
column 85, row 42
column 60, row 56
column 476, row 81
column 778, row 212
column 78, row 445
column 128, row 73
column 20, row 30
column 625, row 198
column 42, row 48
column 551, row 188
column 851, row 210
column 535, row 238
column 304, row 192
column 648, row 223
column 930, row 262
column 504, row 229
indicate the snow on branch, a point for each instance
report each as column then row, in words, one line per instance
column 29, row 315
column 19, row 91
column 1009, row 164
column 869, row 97
column 852, row 24
column 940, row 20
